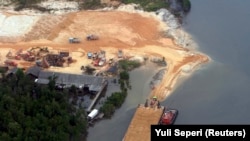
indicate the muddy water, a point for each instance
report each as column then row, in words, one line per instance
column 115, row 128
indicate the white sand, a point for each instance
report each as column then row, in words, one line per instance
column 16, row 25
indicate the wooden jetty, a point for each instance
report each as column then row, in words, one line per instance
column 105, row 84
column 144, row 117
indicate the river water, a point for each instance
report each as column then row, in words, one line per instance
column 114, row 129
column 218, row 93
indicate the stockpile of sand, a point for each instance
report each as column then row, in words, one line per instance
column 16, row 25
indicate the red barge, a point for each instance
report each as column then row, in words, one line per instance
column 168, row 117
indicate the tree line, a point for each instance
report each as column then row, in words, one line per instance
column 30, row 112
column 117, row 98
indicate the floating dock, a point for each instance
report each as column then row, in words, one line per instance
column 140, row 126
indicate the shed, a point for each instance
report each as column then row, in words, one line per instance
column 94, row 83
column 34, row 71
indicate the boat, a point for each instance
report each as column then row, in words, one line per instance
column 168, row 117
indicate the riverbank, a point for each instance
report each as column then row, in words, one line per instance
column 138, row 33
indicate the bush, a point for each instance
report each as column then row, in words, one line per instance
column 89, row 70
column 91, row 4
column 124, row 75
column 113, row 102
column 149, row 5
column 128, row 65
column 186, row 5
column 108, row 109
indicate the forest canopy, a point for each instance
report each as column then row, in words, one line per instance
column 29, row 112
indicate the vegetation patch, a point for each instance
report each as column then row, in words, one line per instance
column 117, row 98
column 30, row 112
column 149, row 5
column 128, row 65
column 186, row 5
column 112, row 103
column 91, row 4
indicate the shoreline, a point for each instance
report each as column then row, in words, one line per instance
column 137, row 33
column 181, row 60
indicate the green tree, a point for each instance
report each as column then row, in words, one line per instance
column 30, row 112
column 108, row 109
column 124, row 75
column 89, row 70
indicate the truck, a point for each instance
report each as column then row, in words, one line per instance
column 92, row 37
column 92, row 114
column 74, row 40
column 89, row 55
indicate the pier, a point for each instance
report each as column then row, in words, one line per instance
column 144, row 117
column 105, row 84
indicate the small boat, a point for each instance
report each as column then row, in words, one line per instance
column 168, row 117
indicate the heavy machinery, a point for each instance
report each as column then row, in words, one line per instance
column 10, row 63
column 74, row 40
column 92, row 37
column 28, row 56
column 39, row 51
column 11, row 56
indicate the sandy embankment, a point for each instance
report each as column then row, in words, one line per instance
column 137, row 33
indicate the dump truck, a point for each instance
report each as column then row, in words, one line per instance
column 74, row 40
column 92, row 37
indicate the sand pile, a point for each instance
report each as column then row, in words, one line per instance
column 16, row 25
